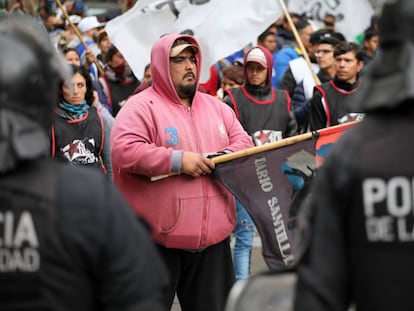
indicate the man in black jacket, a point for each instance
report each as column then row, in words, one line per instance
column 361, row 240
column 68, row 240
column 329, row 102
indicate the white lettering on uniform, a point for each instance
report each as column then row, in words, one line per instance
column 18, row 243
column 25, row 231
column 374, row 191
column 380, row 228
column 389, row 208
column 24, row 260
column 399, row 186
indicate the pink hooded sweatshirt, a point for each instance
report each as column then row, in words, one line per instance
column 150, row 134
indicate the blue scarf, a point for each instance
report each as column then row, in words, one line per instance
column 70, row 111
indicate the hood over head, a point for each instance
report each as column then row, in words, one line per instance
column 262, row 56
column 160, row 62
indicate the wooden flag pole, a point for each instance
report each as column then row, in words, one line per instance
column 78, row 34
column 266, row 147
column 252, row 150
column 277, row 144
column 300, row 43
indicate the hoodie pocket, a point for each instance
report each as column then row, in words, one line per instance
column 187, row 212
column 198, row 222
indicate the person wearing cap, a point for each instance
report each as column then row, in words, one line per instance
column 171, row 128
column 264, row 111
column 68, row 38
column 298, row 69
column 359, row 247
column 89, row 27
column 69, row 241
column 330, row 100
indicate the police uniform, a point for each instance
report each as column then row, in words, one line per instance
column 360, row 221
column 68, row 240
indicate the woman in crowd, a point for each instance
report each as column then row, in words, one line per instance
column 78, row 134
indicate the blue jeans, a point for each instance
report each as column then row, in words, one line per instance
column 244, row 233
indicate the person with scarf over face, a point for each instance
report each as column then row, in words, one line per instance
column 79, row 134
column 171, row 127
column 119, row 82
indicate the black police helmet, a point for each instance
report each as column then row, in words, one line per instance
column 388, row 81
column 31, row 69
column 396, row 23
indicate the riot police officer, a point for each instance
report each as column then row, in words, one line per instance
column 361, row 241
column 68, row 240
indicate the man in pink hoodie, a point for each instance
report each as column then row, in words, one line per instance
column 169, row 128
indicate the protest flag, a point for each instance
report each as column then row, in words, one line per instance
column 220, row 27
column 271, row 181
column 352, row 17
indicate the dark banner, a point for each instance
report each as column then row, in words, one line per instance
column 271, row 186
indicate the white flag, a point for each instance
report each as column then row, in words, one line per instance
column 352, row 16
column 221, row 27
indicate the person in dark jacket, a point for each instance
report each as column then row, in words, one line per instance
column 361, row 241
column 301, row 98
column 329, row 102
column 68, row 240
